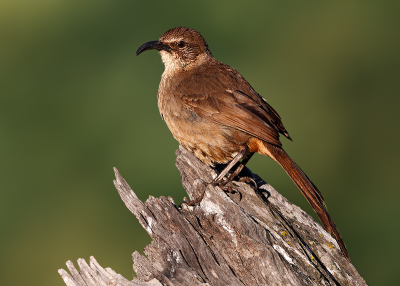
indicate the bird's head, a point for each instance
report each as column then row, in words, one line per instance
column 180, row 48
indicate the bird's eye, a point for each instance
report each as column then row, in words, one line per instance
column 181, row 44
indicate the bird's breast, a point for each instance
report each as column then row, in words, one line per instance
column 209, row 141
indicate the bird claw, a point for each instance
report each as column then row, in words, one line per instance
column 198, row 200
column 195, row 201
column 249, row 180
column 228, row 188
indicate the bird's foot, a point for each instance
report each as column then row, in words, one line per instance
column 200, row 198
column 228, row 188
column 195, row 201
column 249, row 180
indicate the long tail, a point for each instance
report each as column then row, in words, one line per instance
column 309, row 190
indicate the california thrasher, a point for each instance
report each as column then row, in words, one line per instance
column 215, row 113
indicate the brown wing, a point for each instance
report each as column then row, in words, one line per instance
column 237, row 106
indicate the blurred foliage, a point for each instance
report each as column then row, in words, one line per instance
column 75, row 102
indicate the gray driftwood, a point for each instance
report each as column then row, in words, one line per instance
column 256, row 237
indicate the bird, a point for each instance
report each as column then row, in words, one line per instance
column 214, row 113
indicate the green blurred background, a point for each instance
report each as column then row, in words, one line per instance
column 75, row 101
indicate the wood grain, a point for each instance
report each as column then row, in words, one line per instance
column 256, row 238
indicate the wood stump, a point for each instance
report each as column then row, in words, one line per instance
column 252, row 237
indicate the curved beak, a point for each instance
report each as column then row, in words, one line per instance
column 153, row 45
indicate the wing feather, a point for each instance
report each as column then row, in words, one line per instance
column 237, row 106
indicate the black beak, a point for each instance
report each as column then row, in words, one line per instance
column 153, row 45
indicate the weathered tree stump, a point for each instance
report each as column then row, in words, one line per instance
column 253, row 237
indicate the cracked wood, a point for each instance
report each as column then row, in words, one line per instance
column 256, row 238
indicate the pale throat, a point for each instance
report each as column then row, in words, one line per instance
column 171, row 63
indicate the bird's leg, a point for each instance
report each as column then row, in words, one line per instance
column 240, row 155
column 196, row 201
column 246, row 157
column 241, row 166
column 217, row 181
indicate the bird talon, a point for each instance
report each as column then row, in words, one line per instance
column 195, row 201
column 249, row 180
column 229, row 189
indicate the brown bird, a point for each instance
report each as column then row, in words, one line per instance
column 215, row 113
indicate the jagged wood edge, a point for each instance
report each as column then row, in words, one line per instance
column 95, row 275
column 291, row 248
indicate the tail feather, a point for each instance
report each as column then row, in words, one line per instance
column 309, row 190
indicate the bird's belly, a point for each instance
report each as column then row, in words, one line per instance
column 209, row 141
